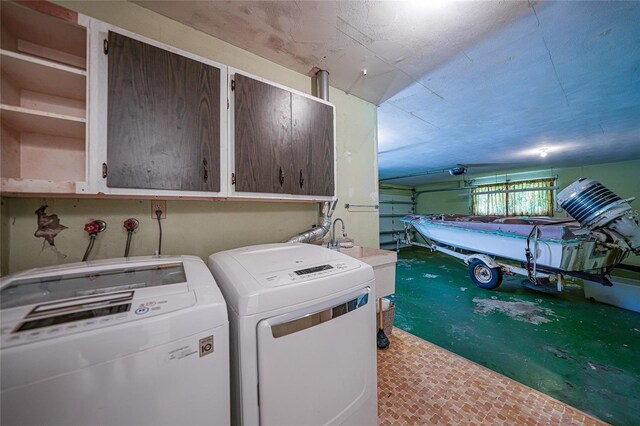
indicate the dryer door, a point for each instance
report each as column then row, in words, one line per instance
column 318, row 365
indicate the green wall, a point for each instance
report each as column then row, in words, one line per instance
column 197, row 228
column 621, row 178
column 200, row 227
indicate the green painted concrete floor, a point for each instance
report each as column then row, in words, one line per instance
column 583, row 353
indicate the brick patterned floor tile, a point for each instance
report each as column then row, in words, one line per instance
column 422, row 384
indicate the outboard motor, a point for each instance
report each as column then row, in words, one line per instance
column 596, row 207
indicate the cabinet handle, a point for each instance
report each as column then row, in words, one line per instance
column 206, row 169
column 301, row 178
column 281, row 178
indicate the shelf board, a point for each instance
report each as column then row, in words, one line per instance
column 41, row 75
column 25, row 22
column 17, row 186
column 47, row 123
column 42, row 52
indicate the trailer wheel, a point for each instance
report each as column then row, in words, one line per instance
column 484, row 276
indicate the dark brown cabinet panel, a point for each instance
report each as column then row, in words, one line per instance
column 313, row 146
column 163, row 119
column 262, row 137
column 284, row 142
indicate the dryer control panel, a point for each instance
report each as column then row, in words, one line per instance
column 307, row 273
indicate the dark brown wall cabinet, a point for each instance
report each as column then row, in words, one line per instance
column 163, row 119
column 284, row 142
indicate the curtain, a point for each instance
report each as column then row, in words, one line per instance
column 519, row 201
column 490, row 204
column 531, row 203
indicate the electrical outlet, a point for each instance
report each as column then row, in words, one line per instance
column 159, row 205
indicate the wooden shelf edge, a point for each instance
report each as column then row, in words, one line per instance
column 42, row 62
column 23, row 120
column 34, row 187
column 29, row 188
column 36, row 112
column 51, row 9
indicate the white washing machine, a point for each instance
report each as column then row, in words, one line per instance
column 137, row 341
column 303, row 346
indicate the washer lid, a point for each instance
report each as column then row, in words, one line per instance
column 71, row 284
column 266, row 277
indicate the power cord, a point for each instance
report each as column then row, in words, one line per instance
column 159, row 216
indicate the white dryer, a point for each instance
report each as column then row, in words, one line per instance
column 139, row 341
column 303, row 347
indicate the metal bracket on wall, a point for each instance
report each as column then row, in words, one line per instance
column 362, row 206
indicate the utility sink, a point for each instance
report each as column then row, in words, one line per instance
column 384, row 266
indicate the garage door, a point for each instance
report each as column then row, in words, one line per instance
column 392, row 208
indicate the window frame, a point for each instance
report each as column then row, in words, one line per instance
column 508, row 189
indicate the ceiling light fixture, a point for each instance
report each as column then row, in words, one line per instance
column 543, row 152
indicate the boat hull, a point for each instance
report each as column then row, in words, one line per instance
column 549, row 252
column 561, row 253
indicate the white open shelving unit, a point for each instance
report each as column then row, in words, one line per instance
column 43, row 102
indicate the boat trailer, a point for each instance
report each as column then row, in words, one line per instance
column 484, row 270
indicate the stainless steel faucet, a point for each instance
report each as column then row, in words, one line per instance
column 334, row 243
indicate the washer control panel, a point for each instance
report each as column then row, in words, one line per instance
column 73, row 316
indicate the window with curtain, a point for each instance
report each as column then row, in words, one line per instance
column 514, row 198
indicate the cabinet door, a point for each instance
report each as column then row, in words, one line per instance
column 262, row 125
column 312, row 143
column 163, row 119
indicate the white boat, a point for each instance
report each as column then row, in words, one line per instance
column 603, row 234
column 509, row 237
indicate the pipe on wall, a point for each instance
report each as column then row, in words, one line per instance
column 393, row 188
column 319, row 231
column 455, row 188
column 322, row 82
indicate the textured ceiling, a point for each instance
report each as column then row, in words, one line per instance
column 480, row 83
column 395, row 41
column 566, row 78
